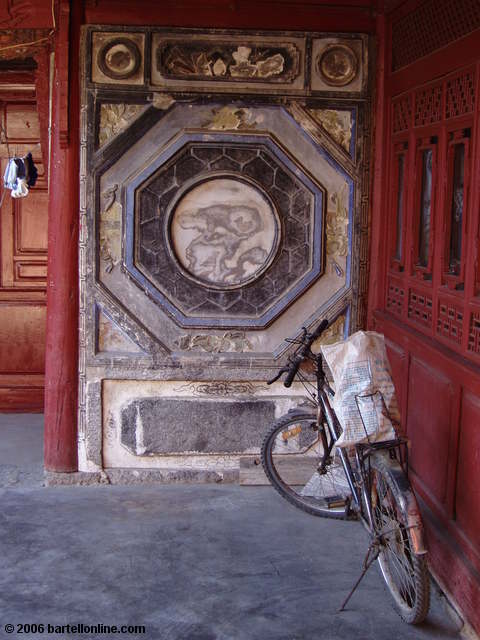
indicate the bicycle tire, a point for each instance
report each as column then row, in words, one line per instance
column 405, row 573
column 291, row 452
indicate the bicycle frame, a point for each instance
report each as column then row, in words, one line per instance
column 326, row 410
column 362, row 454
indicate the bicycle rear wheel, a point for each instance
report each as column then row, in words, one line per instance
column 291, row 454
column 405, row 572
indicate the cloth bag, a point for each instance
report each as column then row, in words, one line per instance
column 365, row 400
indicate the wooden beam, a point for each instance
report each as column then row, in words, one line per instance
column 321, row 15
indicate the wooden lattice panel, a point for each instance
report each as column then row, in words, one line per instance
column 432, row 25
column 420, row 308
column 428, row 105
column 474, row 334
column 395, row 297
column 402, row 113
column 450, row 321
column 460, row 95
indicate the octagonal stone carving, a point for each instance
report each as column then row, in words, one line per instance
column 224, row 232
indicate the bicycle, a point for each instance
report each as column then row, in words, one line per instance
column 368, row 482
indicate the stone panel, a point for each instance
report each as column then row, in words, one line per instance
column 152, row 426
column 152, row 134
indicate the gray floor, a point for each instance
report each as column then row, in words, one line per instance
column 188, row 562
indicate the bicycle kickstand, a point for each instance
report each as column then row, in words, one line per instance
column 372, row 554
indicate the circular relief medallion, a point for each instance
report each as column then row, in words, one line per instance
column 337, row 65
column 119, row 59
column 224, row 232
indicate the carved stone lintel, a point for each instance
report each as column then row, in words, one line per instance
column 231, row 341
column 228, row 62
column 218, row 388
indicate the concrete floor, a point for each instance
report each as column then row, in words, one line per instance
column 189, row 562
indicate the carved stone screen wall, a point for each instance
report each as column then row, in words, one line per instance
column 223, row 205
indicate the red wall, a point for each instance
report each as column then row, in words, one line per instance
column 429, row 98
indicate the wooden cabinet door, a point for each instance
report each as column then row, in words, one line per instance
column 23, row 270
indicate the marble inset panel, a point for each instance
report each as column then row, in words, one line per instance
column 224, row 232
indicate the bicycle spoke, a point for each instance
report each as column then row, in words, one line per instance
column 294, row 457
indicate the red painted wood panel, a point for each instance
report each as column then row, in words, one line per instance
column 452, row 567
column 433, row 315
column 467, row 499
column 22, row 338
column 398, row 359
column 430, row 397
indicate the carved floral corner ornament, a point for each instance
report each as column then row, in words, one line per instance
column 231, row 341
column 334, row 333
column 232, row 118
column 337, row 123
column 115, row 118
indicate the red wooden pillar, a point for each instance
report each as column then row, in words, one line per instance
column 377, row 239
column 61, row 365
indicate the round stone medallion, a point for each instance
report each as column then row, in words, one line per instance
column 224, row 232
column 119, row 59
column 337, row 65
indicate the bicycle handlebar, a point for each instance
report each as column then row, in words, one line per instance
column 292, row 368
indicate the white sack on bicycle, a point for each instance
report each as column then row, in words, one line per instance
column 365, row 401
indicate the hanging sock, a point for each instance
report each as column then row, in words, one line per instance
column 20, row 174
column 10, row 175
column 21, row 189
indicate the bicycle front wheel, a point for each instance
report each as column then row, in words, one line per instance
column 292, row 452
column 405, row 572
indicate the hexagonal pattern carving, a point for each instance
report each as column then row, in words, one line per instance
column 233, row 270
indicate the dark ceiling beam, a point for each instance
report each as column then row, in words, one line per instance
column 317, row 15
